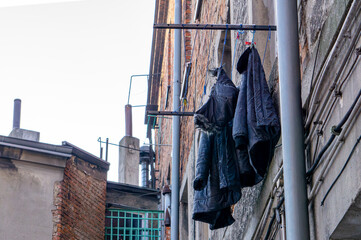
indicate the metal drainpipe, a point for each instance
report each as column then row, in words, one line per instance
column 176, row 125
column 144, row 171
column 292, row 124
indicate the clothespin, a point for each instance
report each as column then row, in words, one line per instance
column 240, row 31
column 252, row 43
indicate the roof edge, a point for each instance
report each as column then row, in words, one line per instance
column 78, row 152
column 35, row 146
column 132, row 188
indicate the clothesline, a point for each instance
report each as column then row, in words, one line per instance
column 217, row 26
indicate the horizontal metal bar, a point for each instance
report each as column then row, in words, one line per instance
column 149, row 115
column 170, row 113
column 165, row 145
column 216, row 26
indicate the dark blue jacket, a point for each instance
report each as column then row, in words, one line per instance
column 216, row 181
column 219, row 108
column 256, row 126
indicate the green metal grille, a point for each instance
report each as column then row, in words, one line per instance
column 123, row 224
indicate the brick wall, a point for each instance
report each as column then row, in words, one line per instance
column 207, row 46
column 319, row 24
column 80, row 202
column 213, row 11
column 167, row 233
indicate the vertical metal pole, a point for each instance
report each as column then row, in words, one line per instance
column 17, row 112
column 292, row 124
column 128, row 121
column 176, row 125
column 106, row 149
column 100, row 147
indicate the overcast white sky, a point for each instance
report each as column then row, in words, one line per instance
column 70, row 63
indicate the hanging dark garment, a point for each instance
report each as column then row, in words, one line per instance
column 233, row 153
column 256, row 127
column 219, row 109
column 216, row 181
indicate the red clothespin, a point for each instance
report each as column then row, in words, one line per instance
column 249, row 43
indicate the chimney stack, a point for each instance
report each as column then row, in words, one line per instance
column 17, row 112
column 128, row 121
column 18, row 132
column 128, row 171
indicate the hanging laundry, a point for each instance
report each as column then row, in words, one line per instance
column 256, row 126
column 240, row 129
column 219, row 109
column 216, row 181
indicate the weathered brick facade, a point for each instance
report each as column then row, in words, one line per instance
column 80, row 202
column 329, row 36
column 213, row 12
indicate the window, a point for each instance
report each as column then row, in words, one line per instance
column 123, row 224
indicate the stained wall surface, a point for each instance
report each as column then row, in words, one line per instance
column 27, row 195
column 329, row 35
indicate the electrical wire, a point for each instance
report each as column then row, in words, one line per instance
column 343, row 168
column 320, row 131
column 333, row 152
column 313, row 71
column 328, row 115
column 349, row 73
column 135, row 149
column 316, row 57
column 321, row 75
column 273, row 218
column 332, row 105
column 224, row 44
column 339, row 91
column 335, row 130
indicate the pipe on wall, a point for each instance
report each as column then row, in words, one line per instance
column 176, row 124
column 291, row 118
